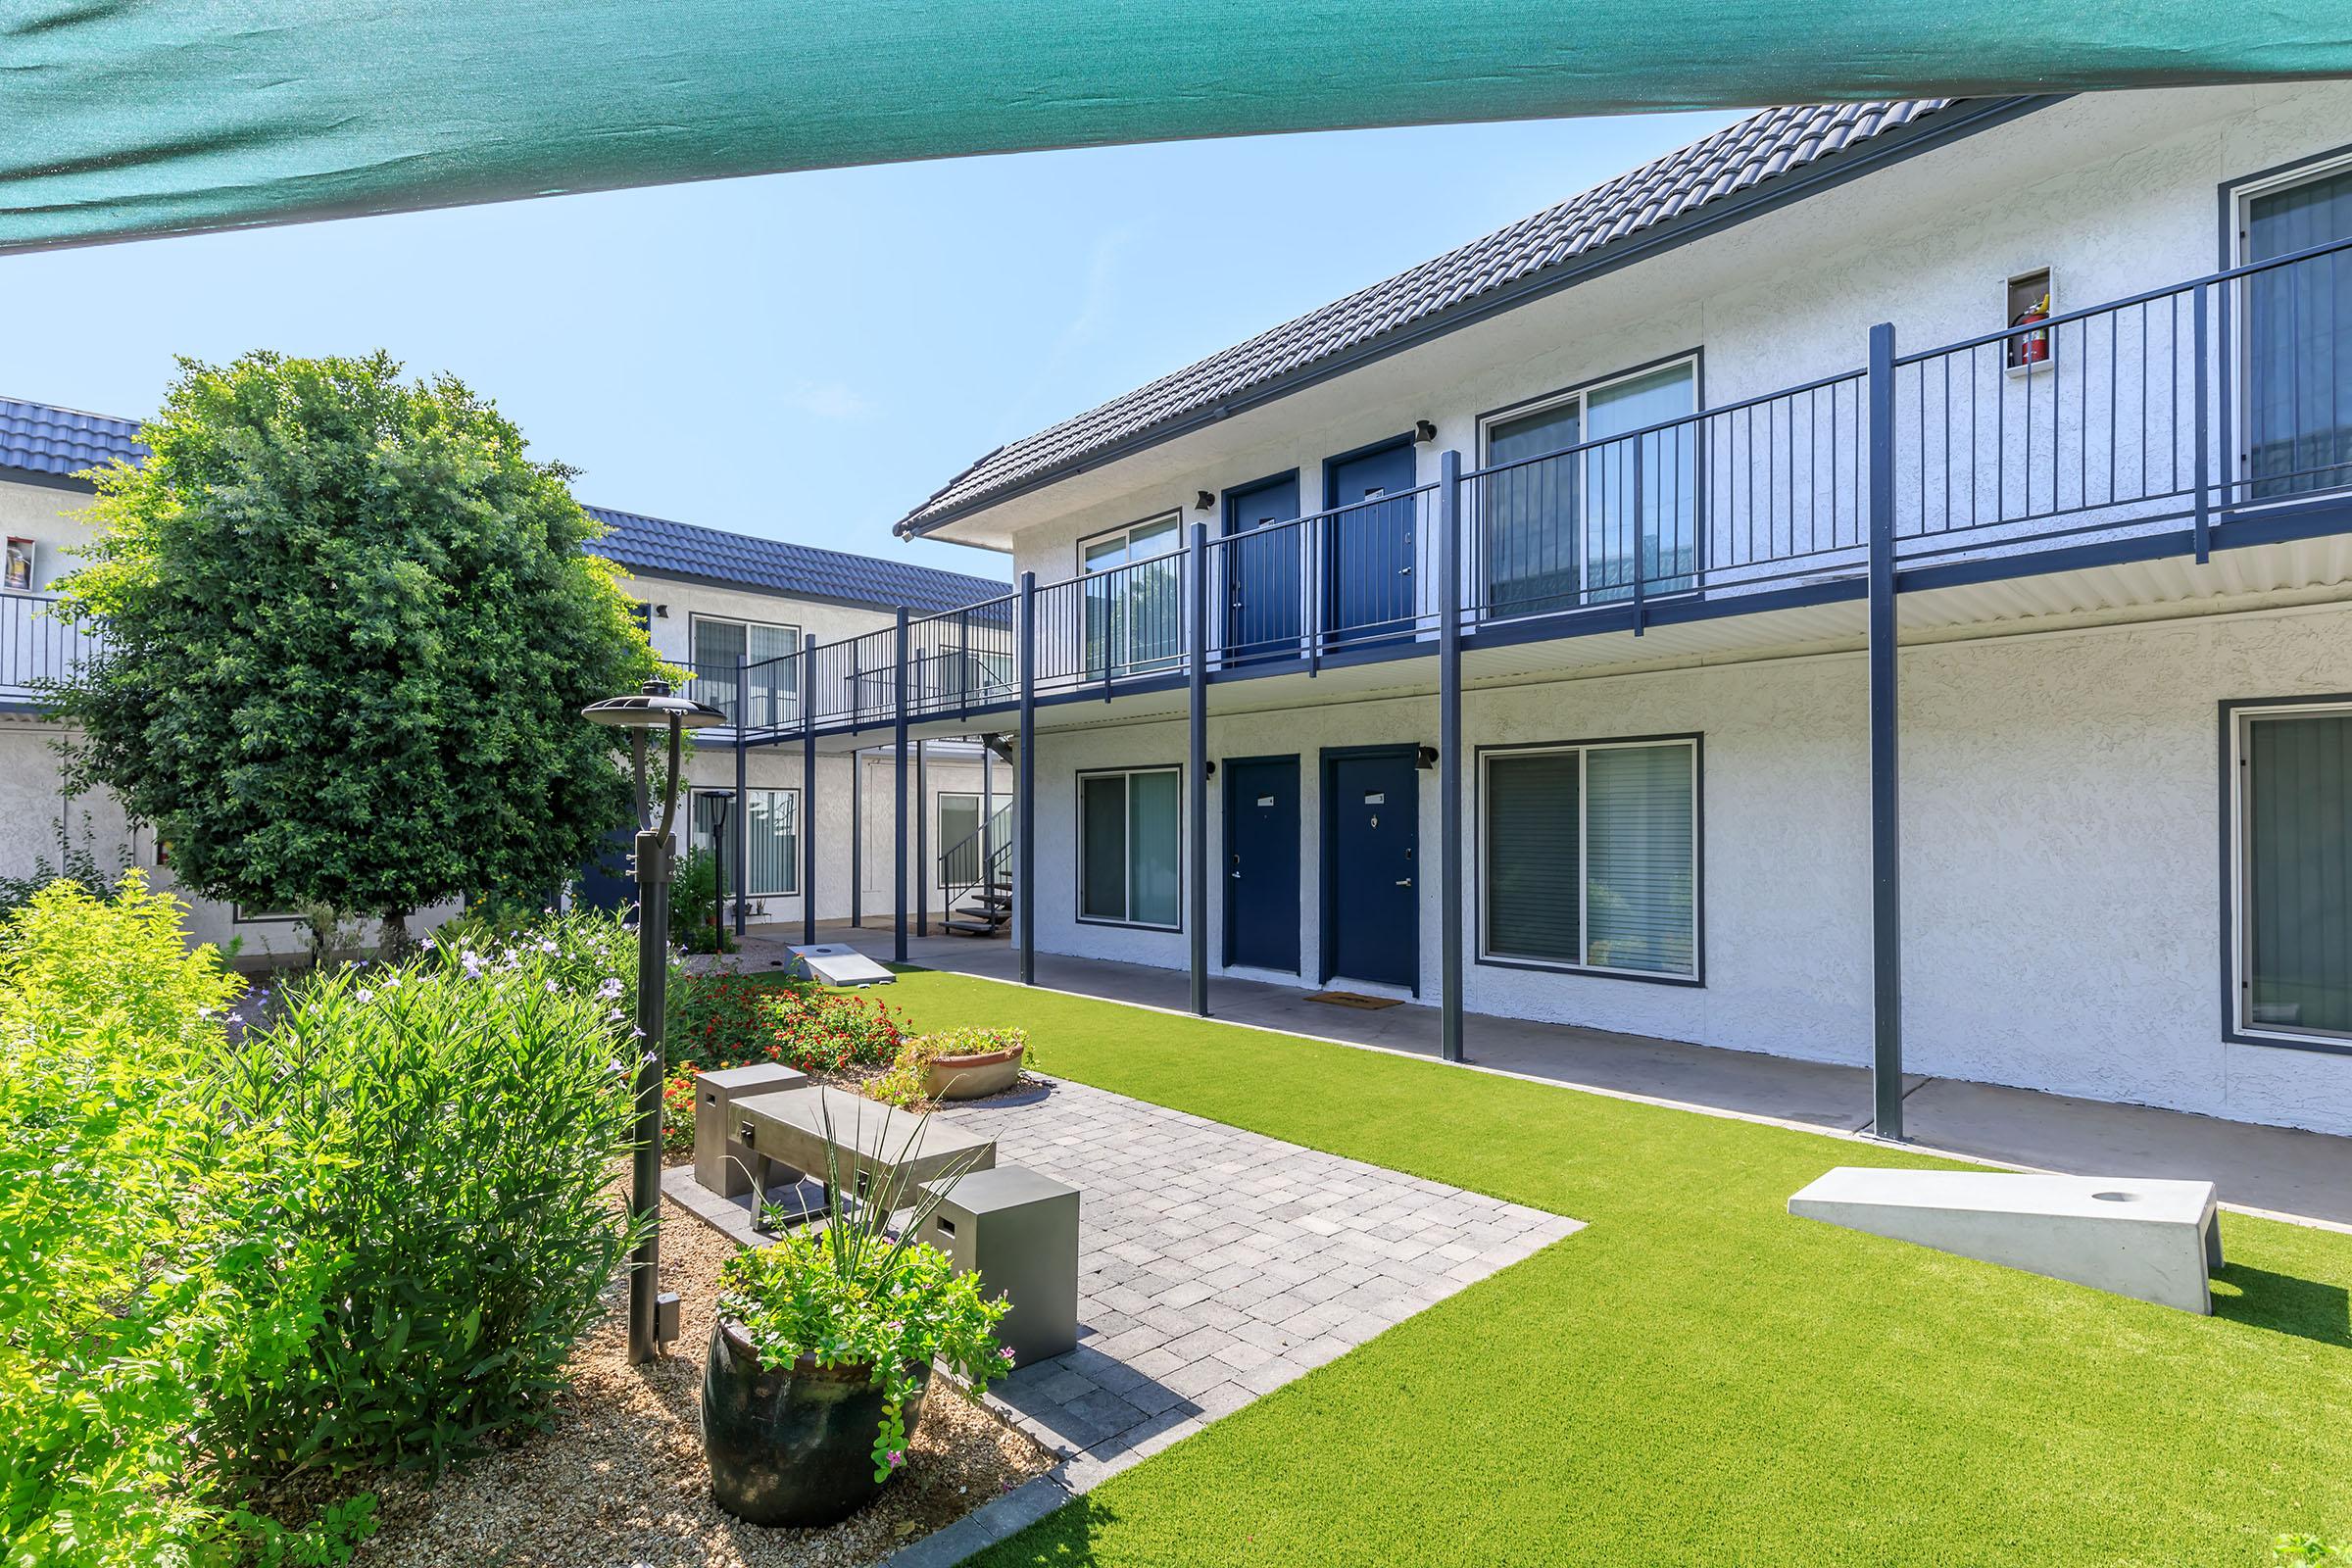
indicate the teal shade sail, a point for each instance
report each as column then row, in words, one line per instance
column 129, row 118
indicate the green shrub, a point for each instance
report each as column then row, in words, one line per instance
column 697, row 923
column 141, row 1274
column 459, row 1132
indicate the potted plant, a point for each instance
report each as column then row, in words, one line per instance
column 822, row 1354
column 959, row 1065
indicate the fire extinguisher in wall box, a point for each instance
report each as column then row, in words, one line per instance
column 2034, row 347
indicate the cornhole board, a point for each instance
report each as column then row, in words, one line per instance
column 2155, row 1240
column 836, row 963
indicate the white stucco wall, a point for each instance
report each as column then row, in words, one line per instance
column 2060, row 860
column 2114, row 193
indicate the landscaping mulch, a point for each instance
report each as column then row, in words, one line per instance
column 621, row 1479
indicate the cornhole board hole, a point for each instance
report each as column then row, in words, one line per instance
column 835, row 963
column 2155, row 1240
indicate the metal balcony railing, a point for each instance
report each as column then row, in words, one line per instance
column 38, row 649
column 2164, row 415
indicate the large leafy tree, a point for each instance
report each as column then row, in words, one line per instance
column 349, row 630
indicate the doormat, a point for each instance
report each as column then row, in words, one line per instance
column 1350, row 999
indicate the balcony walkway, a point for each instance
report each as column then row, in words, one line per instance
column 2302, row 1174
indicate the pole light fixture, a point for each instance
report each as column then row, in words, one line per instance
column 650, row 711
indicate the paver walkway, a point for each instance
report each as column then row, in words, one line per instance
column 1218, row 1264
column 1214, row 1264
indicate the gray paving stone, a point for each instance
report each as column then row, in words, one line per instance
column 1217, row 1265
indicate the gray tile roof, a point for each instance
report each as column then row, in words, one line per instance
column 41, row 440
column 1760, row 148
column 686, row 550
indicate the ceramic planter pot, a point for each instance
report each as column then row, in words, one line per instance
column 791, row 1445
column 970, row 1077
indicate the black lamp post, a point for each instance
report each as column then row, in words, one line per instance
column 653, row 709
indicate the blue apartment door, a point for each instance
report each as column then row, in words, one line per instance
column 1371, row 914
column 1368, row 542
column 1261, row 863
column 607, row 882
column 1261, row 569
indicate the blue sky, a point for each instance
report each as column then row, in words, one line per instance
column 807, row 355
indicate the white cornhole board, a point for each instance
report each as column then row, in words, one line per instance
column 2155, row 1240
column 835, row 963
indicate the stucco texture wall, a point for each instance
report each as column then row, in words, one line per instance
column 2061, row 862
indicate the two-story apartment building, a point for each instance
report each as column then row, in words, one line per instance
column 1872, row 586
column 715, row 603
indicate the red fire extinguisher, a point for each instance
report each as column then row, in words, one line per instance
column 2034, row 347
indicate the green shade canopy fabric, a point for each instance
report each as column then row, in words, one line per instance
column 129, row 118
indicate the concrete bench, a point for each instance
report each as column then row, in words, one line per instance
column 2154, row 1239
column 879, row 1150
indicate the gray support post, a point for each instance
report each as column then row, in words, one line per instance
column 922, row 844
column 1024, row 790
column 808, row 822
column 743, row 839
column 988, row 810
column 898, row 941
column 856, row 836
column 1449, row 752
column 1886, row 836
column 1196, row 781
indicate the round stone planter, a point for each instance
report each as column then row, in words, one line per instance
column 970, row 1077
column 791, row 1445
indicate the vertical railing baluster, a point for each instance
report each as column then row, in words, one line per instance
column 2204, row 522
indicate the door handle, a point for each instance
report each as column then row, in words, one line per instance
column 1404, row 881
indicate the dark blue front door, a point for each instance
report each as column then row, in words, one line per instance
column 1261, row 570
column 1371, row 916
column 1368, row 548
column 1261, row 863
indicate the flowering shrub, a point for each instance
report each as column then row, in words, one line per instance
column 908, row 1084
column 726, row 1021
column 456, row 1125
column 587, row 952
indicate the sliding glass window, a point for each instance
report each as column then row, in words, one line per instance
column 1565, row 529
column 1134, row 598
column 775, row 868
column 1130, row 847
column 1590, row 857
column 756, row 652
column 2293, row 833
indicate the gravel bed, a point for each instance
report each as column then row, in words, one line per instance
column 619, row 1479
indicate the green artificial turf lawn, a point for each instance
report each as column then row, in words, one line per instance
column 1696, row 1377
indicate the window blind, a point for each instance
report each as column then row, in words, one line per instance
column 1534, row 859
column 2298, row 850
column 1639, row 908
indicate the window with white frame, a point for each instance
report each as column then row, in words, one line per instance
column 760, row 652
column 1134, row 596
column 1130, row 845
column 771, row 819
column 1560, row 531
column 2291, row 777
column 1589, row 856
